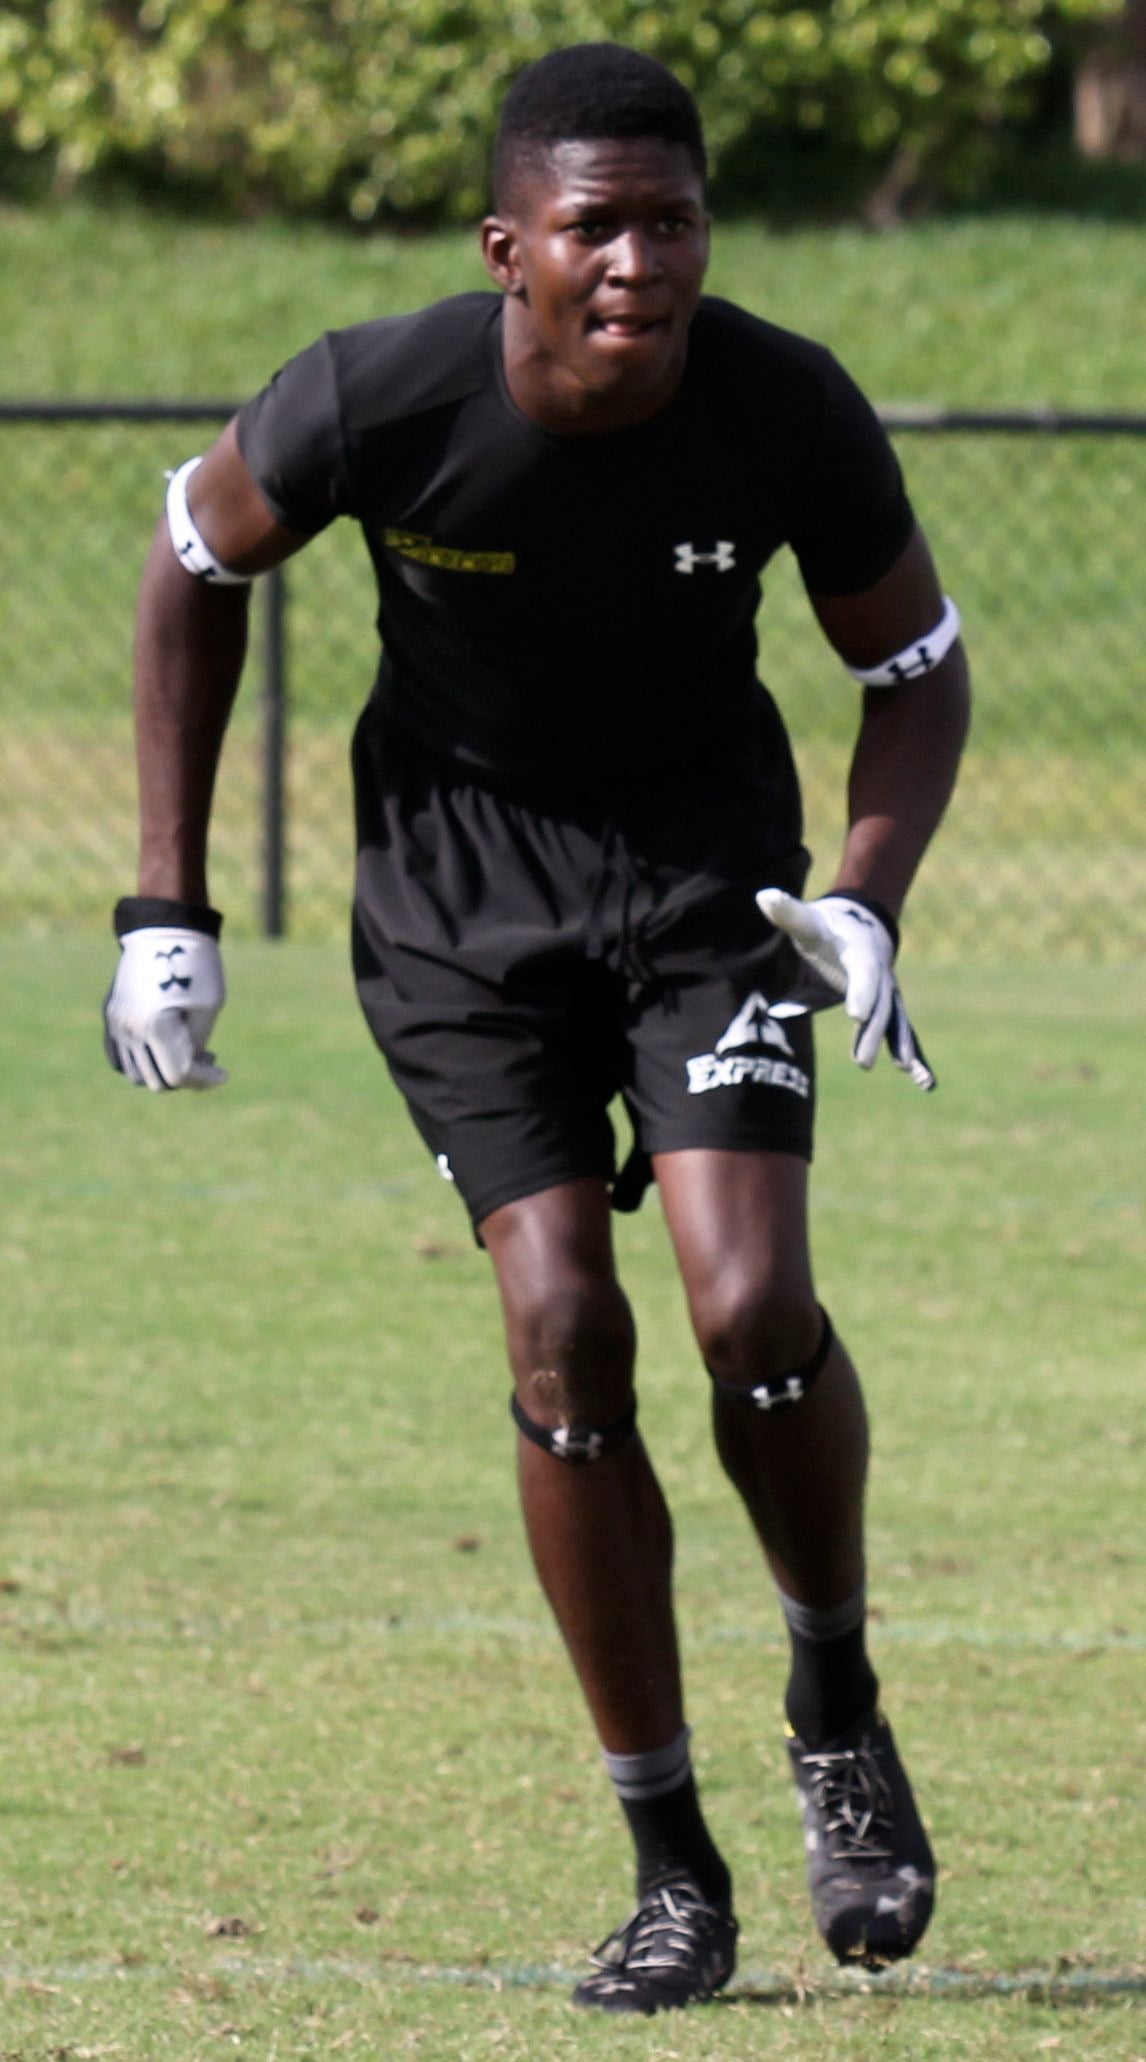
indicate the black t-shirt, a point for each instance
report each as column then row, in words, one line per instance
column 564, row 607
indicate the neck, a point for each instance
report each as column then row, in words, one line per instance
column 556, row 400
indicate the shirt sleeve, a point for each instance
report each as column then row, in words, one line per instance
column 291, row 439
column 855, row 518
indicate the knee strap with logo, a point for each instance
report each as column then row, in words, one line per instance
column 780, row 1390
column 576, row 1443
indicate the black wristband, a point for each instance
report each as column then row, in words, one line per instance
column 876, row 908
column 158, row 912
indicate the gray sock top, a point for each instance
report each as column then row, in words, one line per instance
column 830, row 1624
column 641, row 1776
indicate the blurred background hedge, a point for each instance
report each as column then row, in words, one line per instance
column 384, row 108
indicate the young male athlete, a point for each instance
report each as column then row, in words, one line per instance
column 572, row 794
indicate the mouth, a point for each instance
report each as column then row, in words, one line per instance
column 628, row 328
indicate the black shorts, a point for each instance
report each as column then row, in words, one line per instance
column 522, row 962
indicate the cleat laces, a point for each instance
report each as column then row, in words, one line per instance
column 675, row 1949
column 849, row 1791
column 871, row 1872
column 660, row 1935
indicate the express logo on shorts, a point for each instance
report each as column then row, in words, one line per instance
column 736, row 1056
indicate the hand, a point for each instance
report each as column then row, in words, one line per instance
column 168, row 991
column 849, row 948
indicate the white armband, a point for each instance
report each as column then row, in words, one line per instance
column 191, row 548
column 918, row 658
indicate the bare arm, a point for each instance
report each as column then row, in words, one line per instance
column 910, row 737
column 190, row 641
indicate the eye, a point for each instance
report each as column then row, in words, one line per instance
column 590, row 229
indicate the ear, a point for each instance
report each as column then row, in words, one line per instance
column 500, row 252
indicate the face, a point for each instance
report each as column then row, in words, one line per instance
column 602, row 259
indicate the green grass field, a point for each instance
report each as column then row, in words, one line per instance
column 294, row 1762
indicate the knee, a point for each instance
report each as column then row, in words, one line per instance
column 751, row 1329
column 573, row 1350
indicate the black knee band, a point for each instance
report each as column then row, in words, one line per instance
column 781, row 1390
column 576, row 1443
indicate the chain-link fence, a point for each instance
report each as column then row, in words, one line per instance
column 1036, row 525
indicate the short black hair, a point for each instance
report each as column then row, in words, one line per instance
column 590, row 92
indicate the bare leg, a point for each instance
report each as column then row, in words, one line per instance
column 600, row 1534
column 739, row 1223
column 739, row 1226
column 602, row 1544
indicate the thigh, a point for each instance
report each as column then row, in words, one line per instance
column 472, row 971
column 740, row 1213
column 738, row 1222
column 568, row 1326
column 548, row 1246
column 711, row 1065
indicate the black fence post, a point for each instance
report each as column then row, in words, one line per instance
column 274, row 753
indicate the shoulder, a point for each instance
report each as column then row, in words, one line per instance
column 403, row 365
column 729, row 337
column 328, row 410
column 794, row 385
column 790, row 389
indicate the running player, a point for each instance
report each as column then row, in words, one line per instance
column 572, row 796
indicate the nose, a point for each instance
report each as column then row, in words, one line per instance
column 633, row 258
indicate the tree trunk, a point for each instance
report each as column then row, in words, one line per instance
column 1110, row 93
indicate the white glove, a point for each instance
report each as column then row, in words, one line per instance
column 168, row 991
column 849, row 950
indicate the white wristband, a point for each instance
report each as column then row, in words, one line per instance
column 191, row 548
column 918, row 658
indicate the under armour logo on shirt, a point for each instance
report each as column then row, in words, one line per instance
column 688, row 558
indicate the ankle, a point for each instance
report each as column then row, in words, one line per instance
column 832, row 1683
column 658, row 1795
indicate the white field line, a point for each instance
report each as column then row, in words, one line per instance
column 921, row 1632
column 753, row 1986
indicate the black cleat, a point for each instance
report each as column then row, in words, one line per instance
column 871, row 1871
column 677, row 1949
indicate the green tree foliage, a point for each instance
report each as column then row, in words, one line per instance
column 386, row 106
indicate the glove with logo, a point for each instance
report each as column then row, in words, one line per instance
column 168, row 991
column 848, row 945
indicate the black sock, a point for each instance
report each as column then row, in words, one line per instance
column 668, row 1828
column 832, row 1683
